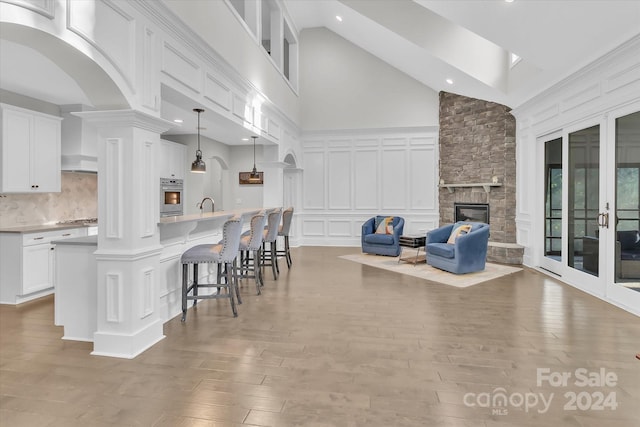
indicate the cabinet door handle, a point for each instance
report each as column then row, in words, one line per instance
column 52, row 248
column 66, row 234
column 38, row 238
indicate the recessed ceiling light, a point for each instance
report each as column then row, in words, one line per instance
column 339, row 18
column 449, row 81
column 245, row 139
column 178, row 120
column 509, row 1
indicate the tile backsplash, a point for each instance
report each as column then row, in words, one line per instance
column 78, row 199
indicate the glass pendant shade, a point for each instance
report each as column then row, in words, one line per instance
column 198, row 165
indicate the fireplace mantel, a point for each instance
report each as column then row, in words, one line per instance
column 485, row 185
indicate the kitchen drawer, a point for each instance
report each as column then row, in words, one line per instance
column 29, row 239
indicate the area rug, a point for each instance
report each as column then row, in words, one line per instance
column 424, row 271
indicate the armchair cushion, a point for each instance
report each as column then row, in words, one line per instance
column 459, row 230
column 384, row 226
column 446, row 250
column 379, row 239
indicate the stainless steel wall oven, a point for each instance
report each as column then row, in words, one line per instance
column 171, row 197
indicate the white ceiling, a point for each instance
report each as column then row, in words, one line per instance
column 554, row 38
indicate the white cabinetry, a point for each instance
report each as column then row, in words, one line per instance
column 28, row 263
column 37, row 268
column 30, row 151
column 172, row 159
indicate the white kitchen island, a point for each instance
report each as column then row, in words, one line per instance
column 76, row 290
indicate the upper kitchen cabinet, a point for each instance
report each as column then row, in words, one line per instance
column 30, row 151
column 172, row 159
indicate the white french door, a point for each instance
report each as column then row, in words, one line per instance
column 592, row 206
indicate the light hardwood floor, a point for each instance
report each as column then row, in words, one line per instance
column 335, row 343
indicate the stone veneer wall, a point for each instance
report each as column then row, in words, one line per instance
column 477, row 143
column 77, row 199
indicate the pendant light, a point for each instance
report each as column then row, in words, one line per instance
column 198, row 165
column 254, row 176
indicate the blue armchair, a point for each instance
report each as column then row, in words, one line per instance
column 468, row 254
column 382, row 244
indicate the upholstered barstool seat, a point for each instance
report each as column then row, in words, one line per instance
column 224, row 255
column 251, row 250
column 270, row 233
column 283, row 231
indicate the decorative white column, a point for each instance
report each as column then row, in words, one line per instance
column 128, row 237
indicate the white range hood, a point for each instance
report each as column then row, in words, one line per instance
column 79, row 141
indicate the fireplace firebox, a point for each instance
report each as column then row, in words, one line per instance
column 473, row 212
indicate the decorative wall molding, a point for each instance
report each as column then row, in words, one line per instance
column 113, row 293
column 114, row 189
column 149, row 217
column 46, row 8
column 147, row 299
column 150, row 96
column 113, row 35
column 350, row 176
column 217, row 92
column 177, row 65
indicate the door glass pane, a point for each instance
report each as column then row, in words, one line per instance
column 553, row 199
column 627, row 249
column 584, row 199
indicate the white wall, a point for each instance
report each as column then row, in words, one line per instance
column 197, row 186
column 246, row 195
column 350, row 176
column 345, row 87
column 217, row 25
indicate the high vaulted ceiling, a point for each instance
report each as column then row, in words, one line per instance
column 467, row 41
column 470, row 41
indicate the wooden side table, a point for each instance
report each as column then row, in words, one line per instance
column 412, row 242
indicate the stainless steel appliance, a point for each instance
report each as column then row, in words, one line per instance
column 171, row 197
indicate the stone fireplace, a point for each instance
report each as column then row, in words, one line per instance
column 478, row 167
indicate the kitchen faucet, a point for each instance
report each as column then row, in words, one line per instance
column 201, row 204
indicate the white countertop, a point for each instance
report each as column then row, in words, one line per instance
column 210, row 215
column 43, row 227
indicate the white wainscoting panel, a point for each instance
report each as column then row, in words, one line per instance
column 274, row 129
column 150, row 83
column 45, row 8
column 242, row 109
column 366, row 180
column 394, row 179
column 581, row 97
column 339, row 165
column 423, row 192
column 148, row 295
column 351, row 175
column 114, row 188
column 147, row 170
column 113, row 293
column 217, row 92
column 183, row 69
column 313, row 180
column 313, row 227
column 340, row 228
column 113, row 34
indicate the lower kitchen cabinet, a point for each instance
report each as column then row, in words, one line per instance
column 27, row 263
column 37, row 268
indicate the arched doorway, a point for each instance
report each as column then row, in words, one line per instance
column 215, row 181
